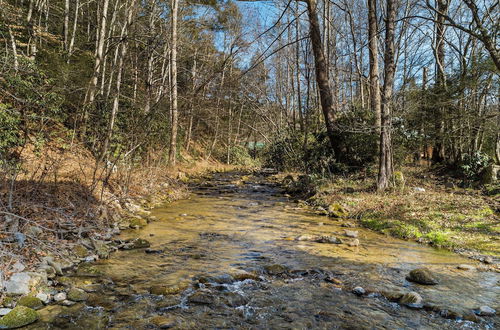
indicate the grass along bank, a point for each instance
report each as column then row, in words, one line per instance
column 424, row 207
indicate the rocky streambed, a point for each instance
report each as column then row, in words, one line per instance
column 239, row 254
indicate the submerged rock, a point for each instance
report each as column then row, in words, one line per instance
column 76, row 294
column 88, row 270
column 422, row 276
column 20, row 316
column 275, row 269
column 486, row 311
column 466, row 267
column 202, row 297
column 411, row 299
column 351, row 233
column 233, row 299
column 354, row 242
column 138, row 243
column 138, row 222
column 246, row 276
column 163, row 322
column 162, row 290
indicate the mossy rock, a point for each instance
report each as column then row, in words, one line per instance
column 88, row 270
column 139, row 243
column 80, row 251
column 422, row 276
column 76, row 294
column 7, row 302
column 31, row 302
column 138, row 222
column 275, row 269
column 337, row 211
column 20, row 316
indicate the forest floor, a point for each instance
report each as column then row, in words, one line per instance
column 428, row 208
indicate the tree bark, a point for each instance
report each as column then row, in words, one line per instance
column 173, row 67
column 374, row 69
column 321, row 67
column 385, row 158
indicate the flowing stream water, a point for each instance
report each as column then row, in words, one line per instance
column 226, row 258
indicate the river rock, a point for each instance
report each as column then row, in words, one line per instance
column 337, row 211
column 138, row 222
column 102, row 249
column 162, row 290
column 20, row 316
column 466, row 267
column 80, row 251
column 354, row 242
column 351, row 233
column 202, row 297
column 88, row 270
column 246, row 276
column 422, row 276
column 18, row 284
column 67, row 303
column 61, row 296
column 411, row 299
column 44, row 297
column 275, row 269
column 76, row 294
column 328, row 239
column 486, row 311
column 359, row 291
column 163, row 322
column 233, row 299
column 138, row 243
column 5, row 311
column 31, row 302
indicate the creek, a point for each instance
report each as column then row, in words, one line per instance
column 228, row 258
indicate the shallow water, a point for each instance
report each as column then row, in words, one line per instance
column 228, row 228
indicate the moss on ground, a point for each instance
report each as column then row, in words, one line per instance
column 449, row 218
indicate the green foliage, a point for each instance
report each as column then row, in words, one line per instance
column 473, row 164
column 238, row 155
column 292, row 150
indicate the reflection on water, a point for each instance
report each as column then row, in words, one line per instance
column 227, row 258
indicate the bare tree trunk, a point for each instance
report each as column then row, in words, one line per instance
column 173, row 67
column 14, row 49
column 374, row 69
column 99, row 59
column 438, row 153
column 325, row 91
column 66, row 25
column 385, row 159
column 116, row 99
column 73, row 33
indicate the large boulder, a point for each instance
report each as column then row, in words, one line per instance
column 422, row 276
column 20, row 316
column 18, row 284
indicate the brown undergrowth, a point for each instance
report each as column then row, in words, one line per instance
column 59, row 198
